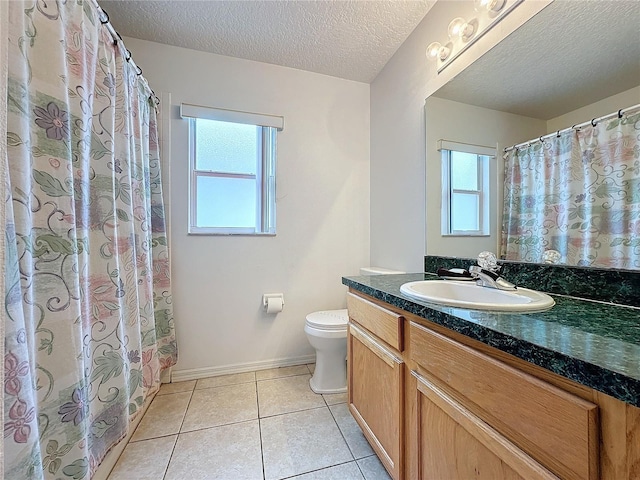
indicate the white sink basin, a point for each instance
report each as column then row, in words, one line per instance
column 474, row 297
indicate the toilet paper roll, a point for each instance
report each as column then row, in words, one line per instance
column 274, row 305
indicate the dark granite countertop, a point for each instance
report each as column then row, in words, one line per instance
column 592, row 343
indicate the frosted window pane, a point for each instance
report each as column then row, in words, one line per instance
column 226, row 202
column 226, row 147
column 464, row 171
column 465, row 212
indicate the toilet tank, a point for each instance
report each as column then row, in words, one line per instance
column 377, row 271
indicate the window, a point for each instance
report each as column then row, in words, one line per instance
column 465, row 188
column 232, row 171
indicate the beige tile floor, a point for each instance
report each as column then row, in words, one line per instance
column 265, row 425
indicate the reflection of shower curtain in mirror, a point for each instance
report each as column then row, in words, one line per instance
column 88, row 297
column 579, row 194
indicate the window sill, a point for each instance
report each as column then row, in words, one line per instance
column 232, row 234
column 465, row 235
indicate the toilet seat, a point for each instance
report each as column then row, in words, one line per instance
column 328, row 320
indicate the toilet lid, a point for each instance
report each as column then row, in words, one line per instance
column 329, row 319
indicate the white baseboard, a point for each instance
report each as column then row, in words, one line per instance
column 197, row 373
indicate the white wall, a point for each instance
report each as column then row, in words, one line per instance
column 398, row 191
column 628, row 98
column 464, row 123
column 322, row 209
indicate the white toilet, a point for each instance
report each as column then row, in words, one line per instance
column 327, row 333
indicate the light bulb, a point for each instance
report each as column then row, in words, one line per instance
column 459, row 28
column 455, row 27
column 488, row 5
column 435, row 50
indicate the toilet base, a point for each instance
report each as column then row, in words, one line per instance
column 330, row 375
column 325, row 390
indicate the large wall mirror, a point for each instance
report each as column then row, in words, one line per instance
column 570, row 63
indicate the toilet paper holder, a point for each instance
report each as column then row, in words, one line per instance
column 273, row 302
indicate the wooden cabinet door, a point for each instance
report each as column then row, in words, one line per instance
column 455, row 444
column 560, row 430
column 375, row 389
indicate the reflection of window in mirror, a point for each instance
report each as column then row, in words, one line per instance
column 465, row 191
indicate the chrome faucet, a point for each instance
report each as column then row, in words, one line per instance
column 486, row 273
column 485, row 278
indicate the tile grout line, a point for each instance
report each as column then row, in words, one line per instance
column 215, row 426
column 173, row 449
column 345, row 439
column 280, row 378
column 179, row 429
column 241, row 383
column 148, row 412
column 384, row 470
column 360, row 470
column 294, row 411
column 152, row 438
column 223, row 386
column 341, row 433
column 264, row 474
column 318, row 470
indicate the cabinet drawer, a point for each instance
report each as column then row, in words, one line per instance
column 558, row 429
column 383, row 323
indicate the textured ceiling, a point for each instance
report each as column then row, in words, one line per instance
column 571, row 54
column 350, row 39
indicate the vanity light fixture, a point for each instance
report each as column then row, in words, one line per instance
column 463, row 33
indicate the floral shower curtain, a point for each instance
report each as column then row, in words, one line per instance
column 87, row 289
column 578, row 194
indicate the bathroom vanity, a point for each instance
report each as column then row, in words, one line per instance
column 449, row 393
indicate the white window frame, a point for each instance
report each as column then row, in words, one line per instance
column 483, row 192
column 265, row 169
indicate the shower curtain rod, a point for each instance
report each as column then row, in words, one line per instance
column 104, row 20
column 593, row 122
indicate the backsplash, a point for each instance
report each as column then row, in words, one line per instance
column 607, row 285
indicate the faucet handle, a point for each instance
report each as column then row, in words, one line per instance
column 488, row 261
